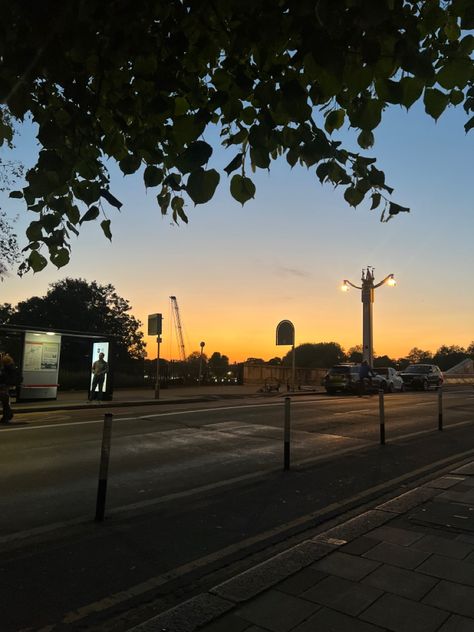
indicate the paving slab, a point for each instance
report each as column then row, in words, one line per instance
column 397, row 555
column 403, row 615
column 452, row 597
column 346, row 566
column 400, row 581
column 459, row 571
column 455, row 623
column 342, row 595
column 444, row 546
column 403, row 503
column 328, row 620
column 301, row 581
column 396, row 535
column 277, row 611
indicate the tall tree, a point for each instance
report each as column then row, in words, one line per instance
column 79, row 305
column 218, row 364
column 417, row 356
column 140, row 82
column 320, row 355
column 448, row 356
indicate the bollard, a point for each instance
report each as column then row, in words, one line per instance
column 440, row 409
column 286, row 435
column 104, row 467
column 382, row 417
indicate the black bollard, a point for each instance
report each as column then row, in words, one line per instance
column 286, row 435
column 104, row 467
column 382, row 417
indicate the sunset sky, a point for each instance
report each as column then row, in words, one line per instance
column 237, row 272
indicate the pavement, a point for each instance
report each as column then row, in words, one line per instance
column 404, row 564
column 76, row 400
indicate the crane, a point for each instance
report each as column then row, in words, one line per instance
column 179, row 329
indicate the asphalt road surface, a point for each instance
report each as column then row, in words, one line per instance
column 194, row 492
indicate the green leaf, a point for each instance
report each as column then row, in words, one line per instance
column 455, row 73
column 353, row 196
column 130, row 164
column 105, row 225
column 242, row 189
column 92, row 213
column 202, row 184
column 194, row 156
column 36, row 261
column 435, row 102
column 411, row 88
column 367, row 114
column 456, row 97
column 177, row 204
column 163, row 200
column 394, row 209
column 88, row 192
column 153, row 176
column 469, row 125
column 16, row 194
column 334, row 120
column 365, row 139
column 376, row 197
column 61, row 257
column 34, row 231
column 234, row 164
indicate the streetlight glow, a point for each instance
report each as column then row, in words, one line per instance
column 368, row 287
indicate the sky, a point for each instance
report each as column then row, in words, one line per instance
column 238, row 271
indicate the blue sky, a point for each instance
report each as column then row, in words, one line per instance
column 238, row 271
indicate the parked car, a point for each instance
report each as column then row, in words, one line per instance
column 345, row 378
column 342, row 378
column 391, row 380
column 422, row 376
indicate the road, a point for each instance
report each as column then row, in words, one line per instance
column 192, row 489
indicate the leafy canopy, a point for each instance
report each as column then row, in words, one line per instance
column 79, row 305
column 140, row 82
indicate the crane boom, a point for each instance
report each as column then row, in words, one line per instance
column 179, row 329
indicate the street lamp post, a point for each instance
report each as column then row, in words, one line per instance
column 202, row 345
column 367, row 288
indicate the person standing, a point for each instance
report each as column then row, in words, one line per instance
column 7, row 380
column 99, row 371
column 366, row 374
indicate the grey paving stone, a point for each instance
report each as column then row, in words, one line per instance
column 455, row 623
column 397, row 555
column 327, row 620
column 301, row 581
column 442, row 546
column 459, row 571
column 360, row 545
column 453, row 597
column 395, row 535
column 346, row 566
column 458, row 496
column 265, row 575
column 227, row 623
column 408, row 500
column 276, row 611
column 342, row 594
column 355, row 527
column 400, row 582
column 465, row 469
column 445, row 482
column 403, row 615
column 188, row 616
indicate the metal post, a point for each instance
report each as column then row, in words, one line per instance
column 440, row 409
column 293, row 368
column 157, row 385
column 286, row 435
column 104, row 467
column 382, row 417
